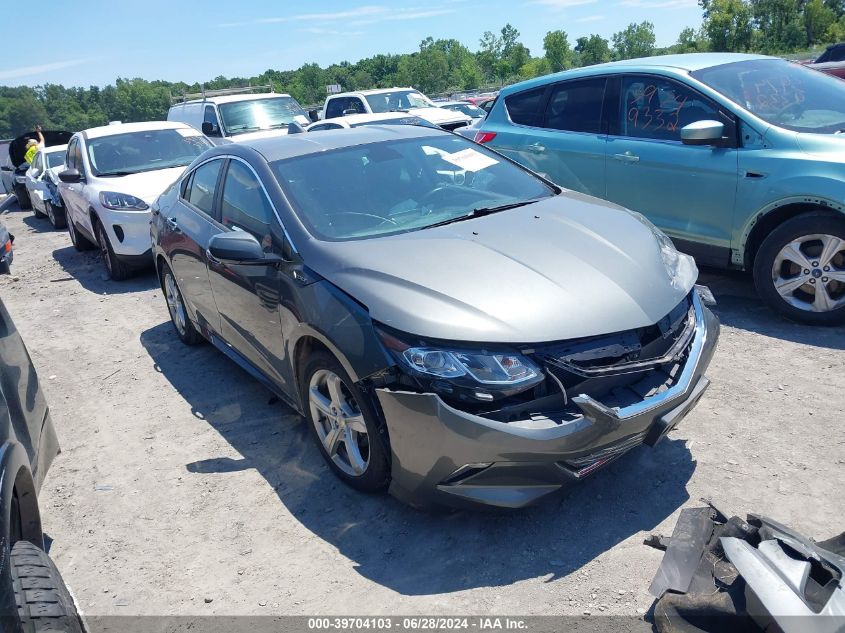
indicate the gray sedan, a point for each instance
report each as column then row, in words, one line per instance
column 453, row 328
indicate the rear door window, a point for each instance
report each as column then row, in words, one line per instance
column 244, row 205
column 202, row 187
column 576, row 106
column 524, row 107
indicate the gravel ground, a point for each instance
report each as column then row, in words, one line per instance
column 182, row 480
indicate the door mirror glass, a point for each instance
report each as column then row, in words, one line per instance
column 703, row 133
column 236, row 247
column 70, row 176
column 210, row 129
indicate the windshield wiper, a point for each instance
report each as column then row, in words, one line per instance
column 106, row 174
column 482, row 211
column 245, row 128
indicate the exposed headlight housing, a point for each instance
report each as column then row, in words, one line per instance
column 122, row 201
column 681, row 268
column 463, row 373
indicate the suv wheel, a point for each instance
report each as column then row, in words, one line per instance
column 185, row 329
column 344, row 424
column 23, row 196
column 37, row 213
column 43, row 601
column 79, row 242
column 800, row 269
column 117, row 270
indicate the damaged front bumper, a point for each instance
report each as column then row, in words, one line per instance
column 442, row 455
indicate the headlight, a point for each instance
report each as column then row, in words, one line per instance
column 468, row 374
column 681, row 268
column 122, row 201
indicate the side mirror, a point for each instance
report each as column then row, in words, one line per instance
column 210, row 129
column 703, row 133
column 236, row 247
column 70, row 176
column 349, row 111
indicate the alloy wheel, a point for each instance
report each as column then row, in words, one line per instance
column 104, row 248
column 174, row 303
column 809, row 273
column 339, row 422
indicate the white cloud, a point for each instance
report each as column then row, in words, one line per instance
column 368, row 14
column 27, row 71
column 659, row 4
column 590, row 18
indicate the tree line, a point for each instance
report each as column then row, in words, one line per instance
column 445, row 65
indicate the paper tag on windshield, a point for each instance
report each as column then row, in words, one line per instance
column 470, row 160
column 188, row 133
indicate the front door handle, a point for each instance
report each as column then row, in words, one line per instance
column 211, row 259
column 173, row 225
column 627, row 157
column 536, row 148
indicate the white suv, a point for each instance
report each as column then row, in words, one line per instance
column 393, row 100
column 113, row 174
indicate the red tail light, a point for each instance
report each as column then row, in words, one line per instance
column 484, row 137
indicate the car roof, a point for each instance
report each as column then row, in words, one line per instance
column 125, row 128
column 687, row 62
column 53, row 149
column 233, row 98
column 293, row 145
column 445, row 103
column 356, row 119
column 372, row 91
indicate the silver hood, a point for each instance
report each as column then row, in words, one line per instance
column 565, row 267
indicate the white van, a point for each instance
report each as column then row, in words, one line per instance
column 238, row 114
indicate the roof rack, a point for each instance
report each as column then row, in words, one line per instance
column 204, row 94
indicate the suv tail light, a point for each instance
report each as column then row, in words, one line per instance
column 484, row 137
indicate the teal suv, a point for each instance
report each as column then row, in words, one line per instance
column 740, row 159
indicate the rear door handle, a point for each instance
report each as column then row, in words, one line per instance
column 536, row 148
column 627, row 157
column 173, row 225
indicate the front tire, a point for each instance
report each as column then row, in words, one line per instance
column 116, row 269
column 37, row 213
column 799, row 269
column 55, row 215
column 344, row 424
column 23, row 196
column 43, row 600
column 185, row 329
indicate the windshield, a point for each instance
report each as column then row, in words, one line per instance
column 55, row 159
column 399, row 186
column 467, row 108
column 133, row 152
column 397, row 100
column 782, row 93
column 261, row 114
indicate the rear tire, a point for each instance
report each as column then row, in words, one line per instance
column 43, row 600
column 23, row 197
column 55, row 215
column 79, row 242
column 116, row 269
column 794, row 264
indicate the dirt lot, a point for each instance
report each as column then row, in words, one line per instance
column 180, row 480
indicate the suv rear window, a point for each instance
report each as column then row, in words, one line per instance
column 524, row 107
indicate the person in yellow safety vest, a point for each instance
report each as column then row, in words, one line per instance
column 32, row 146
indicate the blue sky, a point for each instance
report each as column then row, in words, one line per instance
column 95, row 41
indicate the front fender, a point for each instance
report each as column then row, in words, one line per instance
column 15, row 476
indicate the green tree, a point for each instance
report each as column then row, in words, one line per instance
column 728, row 24
column 690, row 41
column 818, row 19
column 637, row 40
column 558, row 53
column 592, row 50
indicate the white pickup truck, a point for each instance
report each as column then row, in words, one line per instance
column 393, row 100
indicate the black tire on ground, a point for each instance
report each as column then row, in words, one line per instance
column 79, row 241
column 188, row 334
column 23, row 197
column 56, row 215
column 116, row 269
column 813, row 223
column 376, row 476
column 43, row 600
column 37, row 213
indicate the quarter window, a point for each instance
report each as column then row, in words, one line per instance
column 245, row 205
column 74, row 156
column 524, row 107
column 200, row 191
column 657, row 108
column 576, row 106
